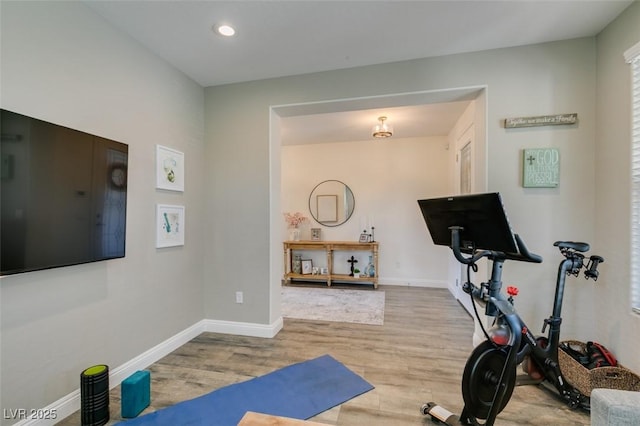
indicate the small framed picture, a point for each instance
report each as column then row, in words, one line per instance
column 169, row 169
column 307, row 266
column 364, row 237
column 315, row 234
column 169, row 226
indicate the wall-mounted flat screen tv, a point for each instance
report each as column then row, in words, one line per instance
column 63, row 195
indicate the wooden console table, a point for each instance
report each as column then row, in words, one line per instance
column 329, row 247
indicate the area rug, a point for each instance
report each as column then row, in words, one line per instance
column 333, row 304
column 299, row 391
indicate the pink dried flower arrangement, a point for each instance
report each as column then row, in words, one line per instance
column 294, row 219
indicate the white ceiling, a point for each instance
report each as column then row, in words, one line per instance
column 433, row 119
column 283, row 38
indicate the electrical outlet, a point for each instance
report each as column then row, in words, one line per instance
column 239, row 297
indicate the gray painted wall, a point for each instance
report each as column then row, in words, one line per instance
column 550, row 78
column 64, row 64
column 616, row 325
column 531, row 80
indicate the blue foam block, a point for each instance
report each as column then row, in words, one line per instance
column 135, row 393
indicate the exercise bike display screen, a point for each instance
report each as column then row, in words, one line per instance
column 482, row 217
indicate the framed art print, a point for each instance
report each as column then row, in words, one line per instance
column 307, row 266
column 169, row 226
column 541, row 168
column 169, row 169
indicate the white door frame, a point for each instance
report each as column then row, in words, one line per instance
column 464, row 165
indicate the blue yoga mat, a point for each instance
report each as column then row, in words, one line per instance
column 299, row 391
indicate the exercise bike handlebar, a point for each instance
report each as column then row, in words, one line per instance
column 523, row 255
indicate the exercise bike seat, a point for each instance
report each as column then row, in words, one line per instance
column 581, row 247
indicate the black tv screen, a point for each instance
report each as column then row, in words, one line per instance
column 63, row 195
column 482, row 216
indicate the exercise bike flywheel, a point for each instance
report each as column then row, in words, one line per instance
column 481, row 379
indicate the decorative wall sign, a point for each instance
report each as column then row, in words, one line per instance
column 169, row 169
column 541, row 168
column 169, row 226
column 541, row 120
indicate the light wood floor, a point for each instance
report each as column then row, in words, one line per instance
column 417, row 356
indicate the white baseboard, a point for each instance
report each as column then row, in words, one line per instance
column 142, row 361
column 412, row 282
column 243, row 328
column 69, row 404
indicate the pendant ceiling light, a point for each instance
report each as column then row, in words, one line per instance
column 382, row 129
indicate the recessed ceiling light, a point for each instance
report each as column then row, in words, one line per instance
column 224, row 30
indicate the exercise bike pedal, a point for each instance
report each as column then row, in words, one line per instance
column 439, row 414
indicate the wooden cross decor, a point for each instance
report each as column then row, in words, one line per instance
column 352, row 261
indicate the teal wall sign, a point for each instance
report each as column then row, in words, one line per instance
column 541, row 168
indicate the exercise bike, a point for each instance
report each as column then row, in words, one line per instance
column 478, row 228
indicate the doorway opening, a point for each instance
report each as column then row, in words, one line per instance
column 476, row 172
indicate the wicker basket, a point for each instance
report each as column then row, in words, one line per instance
column 586, row 380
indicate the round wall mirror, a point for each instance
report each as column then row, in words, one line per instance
column 331, row 203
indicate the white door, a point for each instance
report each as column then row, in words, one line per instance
column 465, row 185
